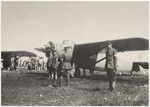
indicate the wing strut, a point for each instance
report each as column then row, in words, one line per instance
column 100, row 60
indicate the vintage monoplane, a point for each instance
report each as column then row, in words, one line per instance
column 7, row 55
column 86, row 56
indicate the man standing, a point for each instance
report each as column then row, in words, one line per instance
column 49, row 62
column 67, row 64
column 59, row 71
column 111, row 65
column 54, row 66
column 12, row 62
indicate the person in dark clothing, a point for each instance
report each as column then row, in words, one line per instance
column 49, row 61
column 15, row 62
column 15, row 59
column 59, row 71
column 54, row 66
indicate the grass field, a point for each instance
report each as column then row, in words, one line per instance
column 25, row 88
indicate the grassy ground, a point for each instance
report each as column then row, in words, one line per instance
column 20, row 88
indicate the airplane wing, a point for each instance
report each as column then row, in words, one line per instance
column 85, row 55
column 121, row 45
column 8, row 54
column 44, row 50
column 131, row 44
column 41, row 50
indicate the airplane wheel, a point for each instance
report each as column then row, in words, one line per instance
column 77, row 72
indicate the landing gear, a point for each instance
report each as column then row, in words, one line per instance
column 77, row 72
column 92, row 72
column 84, row 73
column 131, row 72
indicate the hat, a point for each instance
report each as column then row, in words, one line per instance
column 109, row 43
column 54, row 50
column 67, row 47
column 49, row 49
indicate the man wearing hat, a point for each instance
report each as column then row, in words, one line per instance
column 111, row 65
column 67, row 64
column 54, row 65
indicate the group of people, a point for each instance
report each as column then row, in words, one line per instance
column 31, row 64
column 36, row 64
column 59, row 66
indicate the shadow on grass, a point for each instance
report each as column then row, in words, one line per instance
column 136, row 80
column 41, row 79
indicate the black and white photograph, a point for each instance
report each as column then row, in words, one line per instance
column 74, row 53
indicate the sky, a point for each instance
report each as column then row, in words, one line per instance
column 28, row 25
